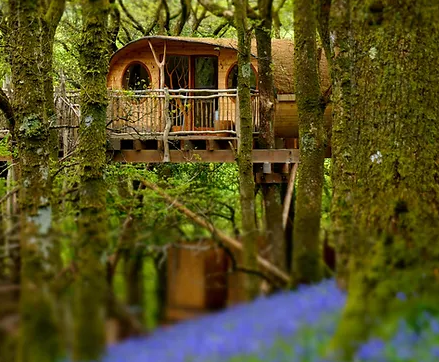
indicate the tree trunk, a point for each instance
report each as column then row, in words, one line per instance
column 50, row 17
column 394, row 110
column 307, row 254
column 39, row 339
column 91, row 286
column 246, row 180
column 342, row 139
column 274, row 232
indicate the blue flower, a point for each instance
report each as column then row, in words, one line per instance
column 371, row 350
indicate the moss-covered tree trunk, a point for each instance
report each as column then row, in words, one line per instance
column 245, row 164
column 307, row 254
column 39, row 260
column 342, row 140
column 50, row 13
column 395, row 111
column 91, row 286
column 274, row 232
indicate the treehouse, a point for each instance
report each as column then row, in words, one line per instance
column 183, row 92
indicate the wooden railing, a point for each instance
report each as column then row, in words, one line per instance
column 185, row 111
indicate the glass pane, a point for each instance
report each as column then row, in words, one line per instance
column 232, row 78
column 136, row 77
column 206, row 72
column 177, row 72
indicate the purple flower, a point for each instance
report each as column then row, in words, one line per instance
column 371, row 350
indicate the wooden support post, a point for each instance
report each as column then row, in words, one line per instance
column 289, row 195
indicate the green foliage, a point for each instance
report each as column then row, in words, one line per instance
column 4, row 146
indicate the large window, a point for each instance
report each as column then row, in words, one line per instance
column 136, row 77
column 232, row 78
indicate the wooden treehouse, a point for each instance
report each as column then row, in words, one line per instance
column 174, row 99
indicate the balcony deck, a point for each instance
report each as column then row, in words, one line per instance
column 165, row 125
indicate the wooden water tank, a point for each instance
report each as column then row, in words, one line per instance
column 196, row 281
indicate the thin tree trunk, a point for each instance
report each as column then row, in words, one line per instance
column 274, row 232
column 394, row 111
column 50, row 17
column 39, row 339
column 246, row 180
column 91, row 285
column 307, row 254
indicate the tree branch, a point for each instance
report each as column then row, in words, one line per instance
column 227, row 240
column 184, row 15
column 114, row 27
column 54, row 12
column 135, row 23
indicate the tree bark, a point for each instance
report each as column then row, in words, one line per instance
column 91, row 287
column 342, row 139
column 246, row 180
column 51, row 13
column 39, row 339
column 307, row 254
column 274, row 232
column 395, row 114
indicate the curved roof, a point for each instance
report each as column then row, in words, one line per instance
column 282, row 50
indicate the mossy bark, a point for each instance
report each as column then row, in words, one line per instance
column 39, row 339
column 91, row 285
column 342, row 140
column 274, row 232
column 245, row 164
column 307, row 251
column 394, row 109
column 50, row 14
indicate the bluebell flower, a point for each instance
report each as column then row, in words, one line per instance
column 371, row 350
column 286, row 327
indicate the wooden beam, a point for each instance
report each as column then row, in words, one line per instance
column 271, row 178
column 179, row 156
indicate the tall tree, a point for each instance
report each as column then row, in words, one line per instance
column 39, row 335
column 245, row 164
column 91, row 288
column 306, row 248
column 274, row 233
column 395, row 113
column 50, row 16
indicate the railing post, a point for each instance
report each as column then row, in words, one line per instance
column 168, row 125
column 237, row 120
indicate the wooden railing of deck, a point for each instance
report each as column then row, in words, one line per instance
column 207, row 112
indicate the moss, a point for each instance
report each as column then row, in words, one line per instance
column 394, row 199
column 245, row 165
column 91, row 286
column 39, row 337
column 307, row 258
column 342, row 140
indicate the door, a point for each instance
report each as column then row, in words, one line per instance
column 205, row 77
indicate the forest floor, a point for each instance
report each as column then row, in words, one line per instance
column 287, row 327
